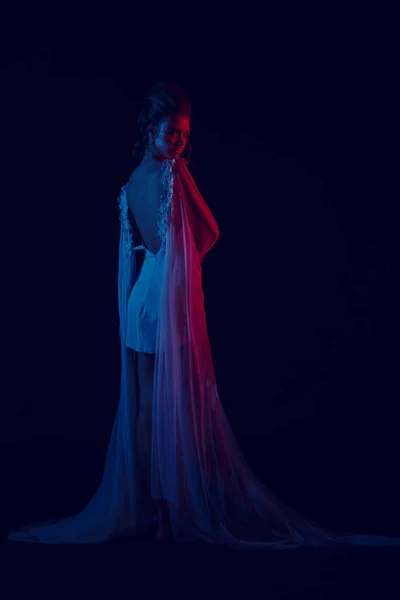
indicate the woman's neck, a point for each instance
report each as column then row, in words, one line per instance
column 151, row 156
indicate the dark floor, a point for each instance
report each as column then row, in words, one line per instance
column 146, row 568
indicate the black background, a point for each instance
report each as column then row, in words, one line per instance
column 294, row 153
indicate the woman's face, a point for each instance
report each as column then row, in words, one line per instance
column 170, row 136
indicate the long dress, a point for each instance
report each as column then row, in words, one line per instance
column 196, row 462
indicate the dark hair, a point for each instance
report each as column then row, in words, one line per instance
column 162, row 100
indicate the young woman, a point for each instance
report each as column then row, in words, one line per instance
column 172, row 457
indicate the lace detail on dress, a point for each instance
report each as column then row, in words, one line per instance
column 126, row 225
column 167, row 176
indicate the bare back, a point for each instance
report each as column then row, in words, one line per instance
column 144, row 197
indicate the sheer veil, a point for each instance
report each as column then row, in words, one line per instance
column 197, row 465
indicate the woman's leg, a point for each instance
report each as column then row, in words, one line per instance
column 146, row 364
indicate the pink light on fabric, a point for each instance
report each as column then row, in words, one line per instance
column 197, row 465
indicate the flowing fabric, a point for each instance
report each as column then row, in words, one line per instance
column 196, row 462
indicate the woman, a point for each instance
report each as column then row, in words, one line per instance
column 171, row 447
column 165, row 136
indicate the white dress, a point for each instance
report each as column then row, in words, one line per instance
column 144, row 302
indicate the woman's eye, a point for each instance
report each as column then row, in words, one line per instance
column 173, row 133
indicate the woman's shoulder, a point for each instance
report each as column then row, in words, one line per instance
column 147, row 167
column 144, row 186
column 145, row 175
